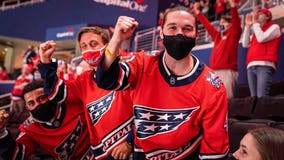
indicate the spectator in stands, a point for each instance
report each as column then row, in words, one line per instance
column 29, row 55
column 161, row 18
column 109, row 113
column 238, row 3
column 65, row 71
column 3, row 73
column 59, row 129
column 261, row 144
column 224, row 55
column 176, row 98
column 17, row 102
column 220, row 8
column 205, row 7
column 82, row 67
column 262, row 56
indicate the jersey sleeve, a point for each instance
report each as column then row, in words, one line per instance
column 208, row 26
column 55, row 88
column 215, row 140
column 7, row 146
column 119, row 76
column 236, row 22
column 22, row 148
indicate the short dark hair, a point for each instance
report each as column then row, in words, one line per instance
column 96, row 30
column 226, row 17
column 32, row 86
column 178, row 8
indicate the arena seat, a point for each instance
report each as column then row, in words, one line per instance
column 242, row 91
column 269, row 108
column 277, row 88
column 279, row 125
column 241, row 108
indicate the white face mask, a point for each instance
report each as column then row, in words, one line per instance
column 79, row 70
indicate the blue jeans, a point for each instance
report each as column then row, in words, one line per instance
column 259, row 80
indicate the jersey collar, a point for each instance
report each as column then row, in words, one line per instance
column 176, row 81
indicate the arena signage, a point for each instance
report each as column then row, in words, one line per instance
column 132, row 5
column 63, row 33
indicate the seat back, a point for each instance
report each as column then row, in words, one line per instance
column 241, row 108
column 269, row 108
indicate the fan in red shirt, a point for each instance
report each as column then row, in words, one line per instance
column 224, row 55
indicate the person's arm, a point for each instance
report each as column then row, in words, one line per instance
column 246, row 38
column 124, row 150
column 215, row 140
column 124, row 28
column 270, row 34
column 11, row 149
column 109, row 75
column 212, row 31
column 7, row 143
column 236, row 21
column 246, row 33
column 54, row 87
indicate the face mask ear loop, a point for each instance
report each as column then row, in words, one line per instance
column 102, row 50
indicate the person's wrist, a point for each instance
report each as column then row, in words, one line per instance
column 44, row 61
column 196, row 12
column 111, row 55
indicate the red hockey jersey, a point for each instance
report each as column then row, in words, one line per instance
column 66, row 138
column 108, row 126
column 173, row 115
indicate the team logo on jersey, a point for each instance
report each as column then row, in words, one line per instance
column 98, row 108
column 89, row 155
column 175, row 153
column 150, row 122
column 214, row 80
column 67, row 147
column 112, row 139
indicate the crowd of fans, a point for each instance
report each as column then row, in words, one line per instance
column 58, row 82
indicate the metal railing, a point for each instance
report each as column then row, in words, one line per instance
column 150, row 41
column 12, row 4
column 5, row 101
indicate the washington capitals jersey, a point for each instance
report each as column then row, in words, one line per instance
column 66, row 138
column 108, row 126
column 173, row 115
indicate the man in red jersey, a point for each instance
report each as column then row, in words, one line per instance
column 180, row 105
column 108, row 125
column 59, row 129
column 224, row 55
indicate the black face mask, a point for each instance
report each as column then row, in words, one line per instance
column 178, row 46
column 45, row 112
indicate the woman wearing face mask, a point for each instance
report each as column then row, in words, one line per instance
column 261, row 144
column 224, row 55
column 262, row 56
column 179, row 104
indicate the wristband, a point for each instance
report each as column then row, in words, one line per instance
column 111, row 55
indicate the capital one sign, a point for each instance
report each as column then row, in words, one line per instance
column 136, row 5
